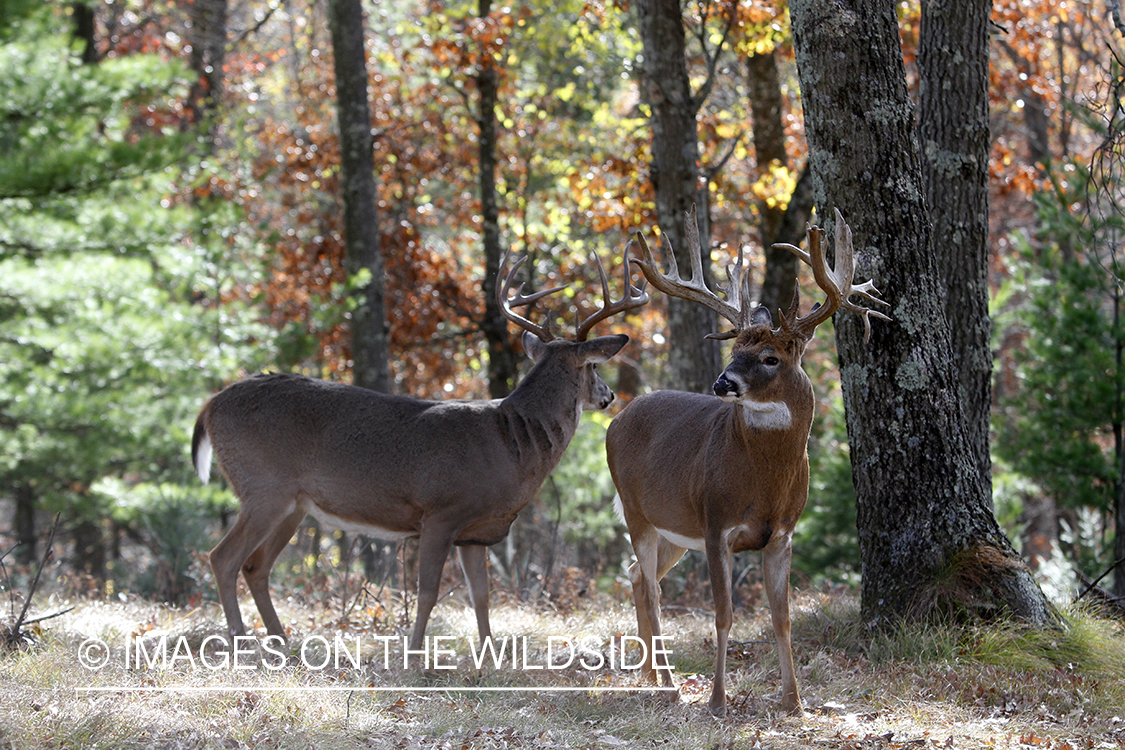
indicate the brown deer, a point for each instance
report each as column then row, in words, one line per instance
column 727, row 474
column 450, row 473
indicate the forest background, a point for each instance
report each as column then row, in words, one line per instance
column 171, row 220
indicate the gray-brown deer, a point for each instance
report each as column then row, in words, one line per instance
column 728, row 474
column 451, row 473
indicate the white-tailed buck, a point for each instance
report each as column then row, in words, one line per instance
column 451, row 473
column 727, row 474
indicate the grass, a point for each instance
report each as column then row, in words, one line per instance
column 917, row 686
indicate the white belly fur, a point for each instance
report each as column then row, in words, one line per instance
column 352, row 527
column 681, row 541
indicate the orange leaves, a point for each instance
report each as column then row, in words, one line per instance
column 466, row 45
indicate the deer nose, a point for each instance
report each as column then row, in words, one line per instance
column 725, row 387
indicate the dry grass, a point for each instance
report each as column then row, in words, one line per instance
column 917, row 687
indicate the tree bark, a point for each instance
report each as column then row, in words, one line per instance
column 693, row 362
column 928, row 538
column 208, row 51
column 767, row 112
column 954, row 139
column 780, row 278
column 23, row 523
column 85, row 31
column 503, row 362
column 363, row 255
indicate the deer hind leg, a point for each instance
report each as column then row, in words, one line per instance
column 474, row 564
column 433, row 548
column 719, row 570
column 667, row 555
column 645, row 576
column 255, row 524
column 776, row 559
column 257, row 569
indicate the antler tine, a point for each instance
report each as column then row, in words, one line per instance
column 835, row 282
column 520, row 300
column 631, row 297
column 696, row 289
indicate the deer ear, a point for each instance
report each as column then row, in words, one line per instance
column 602, row 348
column 761, row 316
column 533, row 345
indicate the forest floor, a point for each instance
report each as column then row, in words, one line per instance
column 85, row 682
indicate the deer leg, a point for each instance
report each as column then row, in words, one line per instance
column 718, row 568
column 252, row 527
column 667, row 555
column 646, row 599
column 256, row 570
column 474, row 564
column 775, row 563
column 433, row 549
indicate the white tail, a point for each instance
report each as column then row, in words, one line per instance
column 451, row 473
column 728, row 474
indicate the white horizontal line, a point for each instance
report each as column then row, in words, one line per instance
column 369, row 689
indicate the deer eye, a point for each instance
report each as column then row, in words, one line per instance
column 772, row 361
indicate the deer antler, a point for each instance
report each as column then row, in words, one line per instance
column 835, row 282
column 506, row 304
column 696, row 290
column 632, row 297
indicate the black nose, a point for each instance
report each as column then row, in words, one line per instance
column 724, row 387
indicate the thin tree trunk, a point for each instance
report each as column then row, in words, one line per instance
column 954, row 139
column 503, row 363
column 767, row 112
column 693, row 362
column 363, row 255
column 1119, row 452
column 24, row 523
column 928, row 538
column 85, row 31
column 779, row 280
column 208, row 52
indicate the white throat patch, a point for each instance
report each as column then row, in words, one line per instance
column 766, row 415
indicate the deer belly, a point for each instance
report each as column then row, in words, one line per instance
column 737, row 538
column 358, row 527
column 680, row 540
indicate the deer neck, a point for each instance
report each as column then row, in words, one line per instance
column 541, row 416
column 777, row 419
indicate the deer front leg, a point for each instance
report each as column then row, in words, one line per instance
column 776, row 559
column 474, row 564
column 433, row 549
column 719, row 569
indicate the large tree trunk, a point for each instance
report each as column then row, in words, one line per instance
column 363, row 255
column 928, row 537
column 503, row 363
column 954, row 138
column 693, row 362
